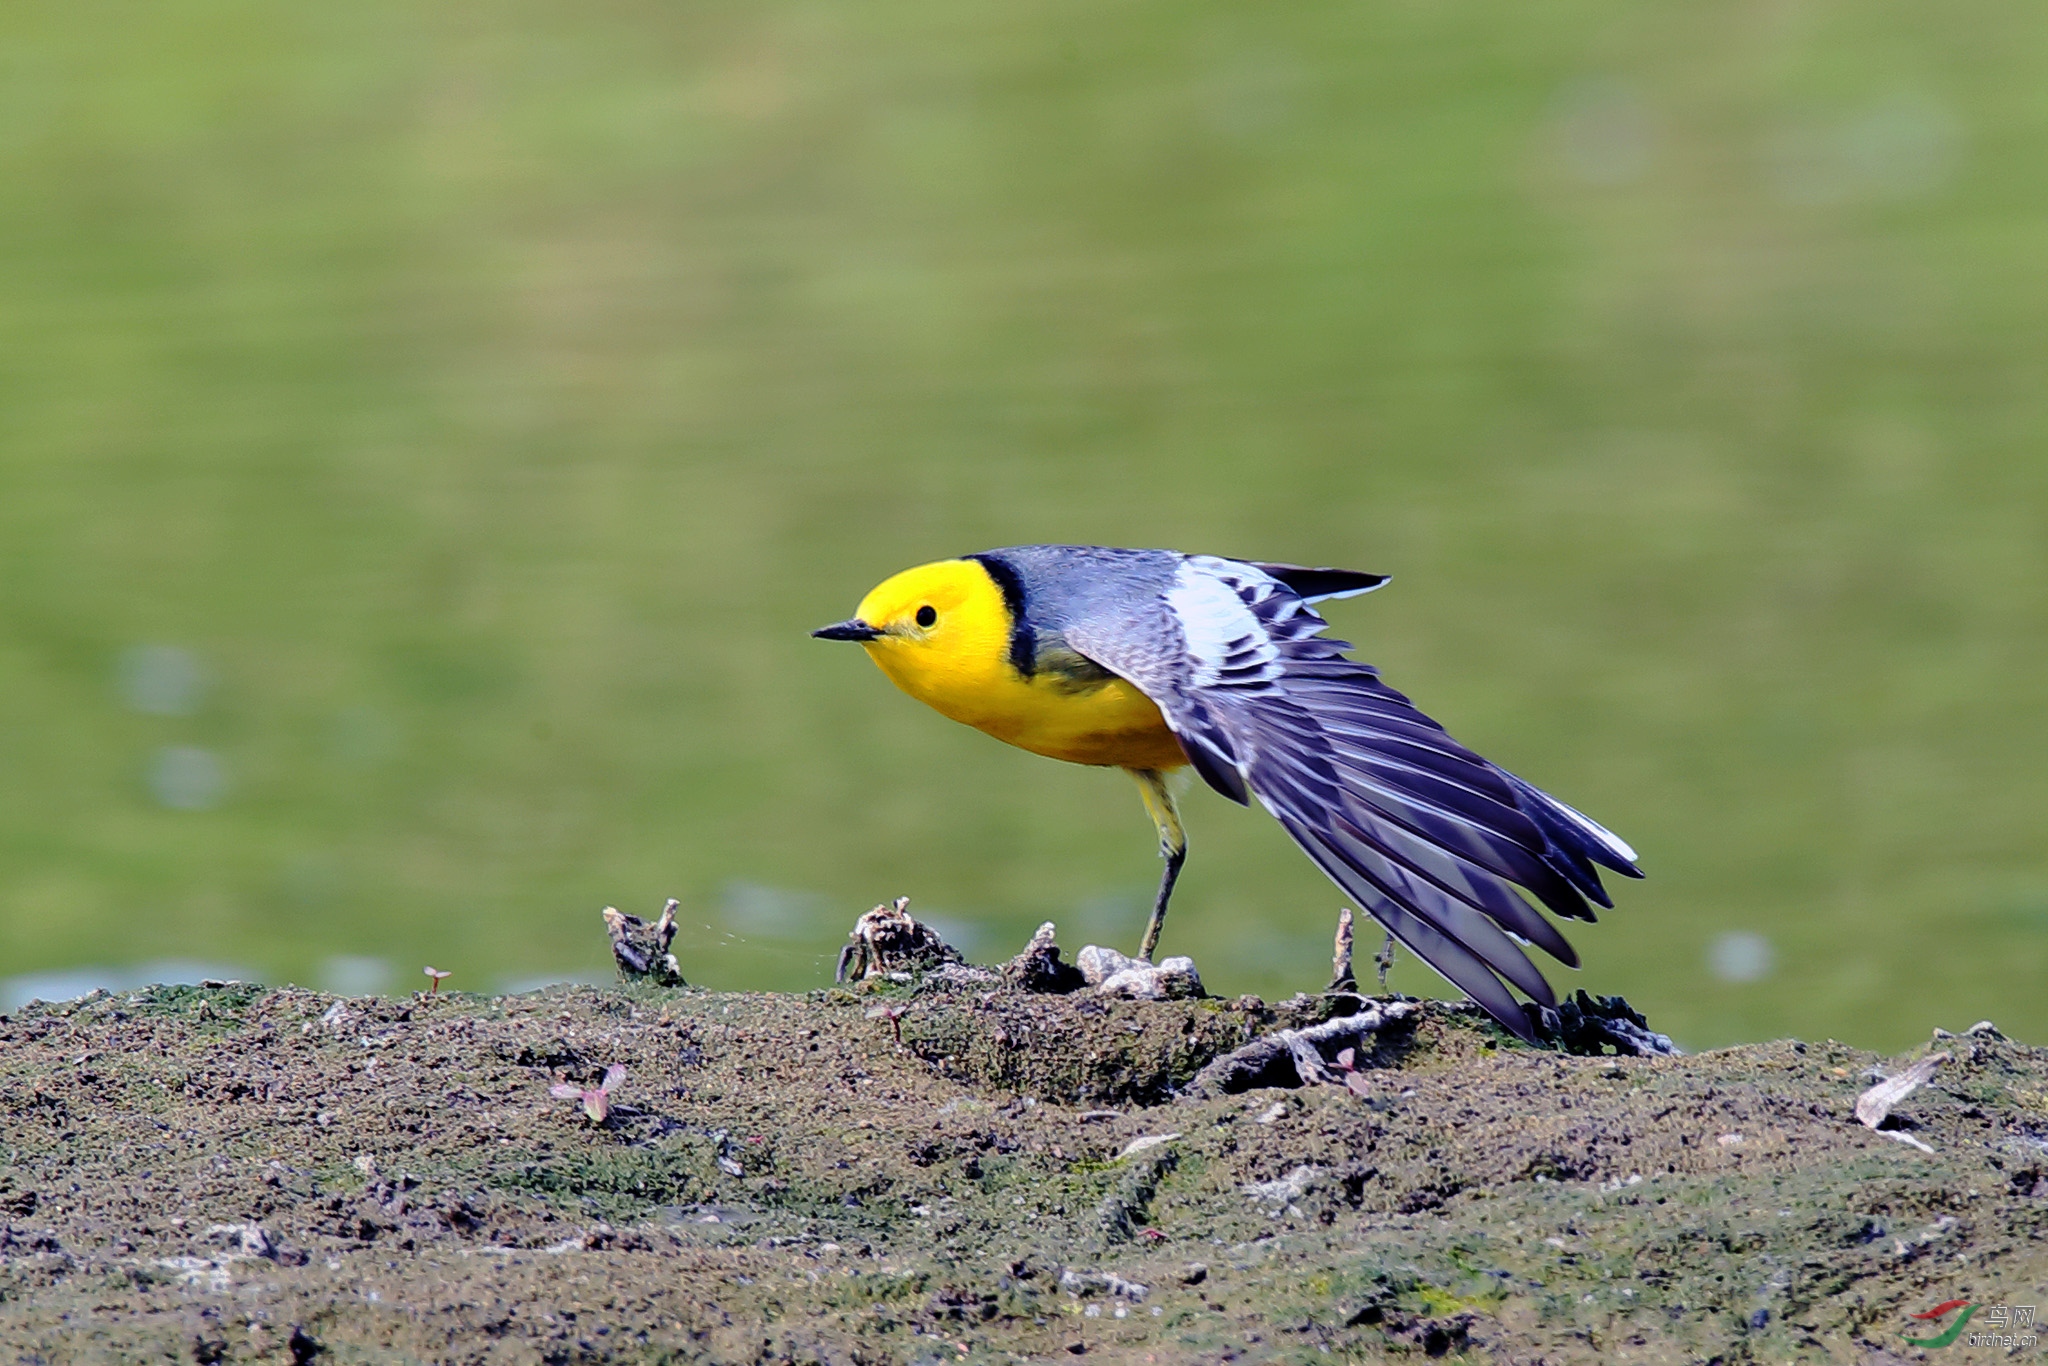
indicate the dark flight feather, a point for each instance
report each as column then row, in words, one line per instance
column 1427, row 837
column 1313, row 585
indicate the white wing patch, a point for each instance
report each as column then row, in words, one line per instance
column 1227, row 644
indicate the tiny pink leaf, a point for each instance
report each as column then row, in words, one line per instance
column 597, row 1105
column 613, row 1075
column 1344, row 1058
column 564, row 1091
column 1357, row 1082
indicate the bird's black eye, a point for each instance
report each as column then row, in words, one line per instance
column 926, row 616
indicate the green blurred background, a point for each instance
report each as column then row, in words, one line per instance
column 427, row 434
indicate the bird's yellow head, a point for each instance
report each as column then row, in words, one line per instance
column 939, row 631
column 945, row 615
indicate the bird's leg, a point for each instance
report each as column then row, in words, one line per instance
column 1173, row 847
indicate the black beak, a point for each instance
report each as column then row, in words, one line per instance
column 847, row 630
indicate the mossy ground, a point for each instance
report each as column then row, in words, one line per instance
column 899, row 1176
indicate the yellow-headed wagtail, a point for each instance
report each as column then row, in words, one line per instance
column 1150, row 660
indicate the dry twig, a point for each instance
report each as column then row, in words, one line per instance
column 641, row 949
column 1254, row 1064
column 1874, row 1106
column 889, row 939
column 1341, row 976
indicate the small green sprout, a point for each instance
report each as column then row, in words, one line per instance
column 1354, row 1080
column 597, row 1100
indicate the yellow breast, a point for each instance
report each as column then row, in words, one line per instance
column 1112, row 723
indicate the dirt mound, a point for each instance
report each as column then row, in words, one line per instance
column 956, row 1169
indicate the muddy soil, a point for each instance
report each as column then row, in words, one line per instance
column 935, row 1172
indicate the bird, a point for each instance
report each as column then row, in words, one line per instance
column 1153, row 661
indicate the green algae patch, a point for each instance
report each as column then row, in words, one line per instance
column 618, row 1185
column 210, row 1001
column 923, row 1172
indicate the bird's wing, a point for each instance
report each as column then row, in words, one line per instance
column 1428, row 837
